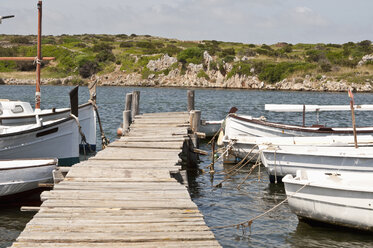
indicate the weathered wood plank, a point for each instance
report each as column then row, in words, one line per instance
column 91, row 172
column 114, row 237
column 157, row 244
column 167, row 185
column 138, row 204
column 151, row 145
column 92, row 195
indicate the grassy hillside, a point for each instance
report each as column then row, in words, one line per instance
column 85, row 55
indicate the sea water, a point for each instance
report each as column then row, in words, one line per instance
column 227, row 205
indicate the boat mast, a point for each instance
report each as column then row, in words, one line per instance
column 38, row 59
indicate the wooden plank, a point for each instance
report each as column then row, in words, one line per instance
column 99, row 195
column 154, row 244
column 151, row 145
column 87, row 172
column 109, row 237
column 130, row 186
column 129, row 164
column 139, row 204
column 66, row 212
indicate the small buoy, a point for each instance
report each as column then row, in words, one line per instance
column 120, row 131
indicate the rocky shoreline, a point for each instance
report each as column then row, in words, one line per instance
column 191, row 78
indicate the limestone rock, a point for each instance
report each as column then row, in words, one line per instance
column 161, row 64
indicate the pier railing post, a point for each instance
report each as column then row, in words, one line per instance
column 135, row 104
column 190, row 100
column 195, row 120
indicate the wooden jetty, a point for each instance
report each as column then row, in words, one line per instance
column 125, row 196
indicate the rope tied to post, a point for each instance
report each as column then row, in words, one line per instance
column 37, row 61
column 104, row 141
column 82, row 135
column 249, row 222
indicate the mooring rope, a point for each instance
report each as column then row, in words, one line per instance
column 248, row 223
column 257, row 163
column 104, row 141
column 245, row 159
column 238, row 167
column 82, row 135
column 231, row 143
column 213, row 137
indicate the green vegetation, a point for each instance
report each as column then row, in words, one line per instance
column 84, row 55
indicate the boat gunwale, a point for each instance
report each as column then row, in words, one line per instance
column 65, row 110
column 54, row 123
column 300, row 128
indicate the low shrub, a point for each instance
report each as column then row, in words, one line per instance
column 191, row 55
column 203, row 74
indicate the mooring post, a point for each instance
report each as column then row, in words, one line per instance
column 196, row 120
column 128, row 107
column 135, row 104
column 126, row 120
column 190, row 100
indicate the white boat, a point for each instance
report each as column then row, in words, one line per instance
column 57, row 138
column 13, row 113
column 343, row 199
column 22, row 175
column 210, row 128
column 237, row 126
column 282, row 160
column 244, row 145
column 315, row 108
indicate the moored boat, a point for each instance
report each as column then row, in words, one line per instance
column 22, row 175
column 244, row 145
column 13, row 113
column 343, row 199
column 58, row 138
column 282, row 160
column 237, row 126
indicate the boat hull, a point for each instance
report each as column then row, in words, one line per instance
column 331, row 203
column 87, row 119
column 237, row 126
column 58, row 139
column 24, row 175
column 288, row 159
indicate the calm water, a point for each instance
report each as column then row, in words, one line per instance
column 226, row 205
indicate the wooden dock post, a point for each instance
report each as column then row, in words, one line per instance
column 195, row 120
column 126, row 120
column 190, row 100
column 135, row 104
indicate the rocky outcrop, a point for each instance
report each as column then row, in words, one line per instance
column 365, row 59
column 212, row 78
column 161, row 64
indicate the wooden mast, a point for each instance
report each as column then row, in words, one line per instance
column 38, row 59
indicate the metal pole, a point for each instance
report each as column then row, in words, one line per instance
column 353, row 122
column 304, row 115
column 38, row 62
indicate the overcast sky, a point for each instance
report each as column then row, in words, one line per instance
column 247, row 21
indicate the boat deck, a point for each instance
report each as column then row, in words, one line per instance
column 125, row 196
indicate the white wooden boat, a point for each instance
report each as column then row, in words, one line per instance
column 237, row 126
column 13, row 113
column 315, row 108
column 282, row 160
column 57, row 138
column 22, row 175
column 210, row 128
column 244, row 145
column 343, row 199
